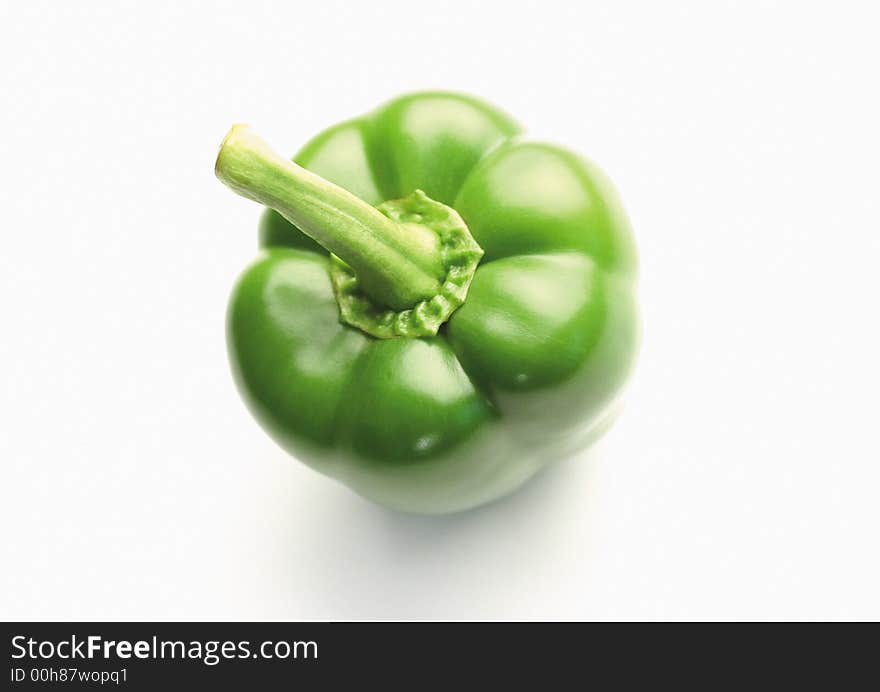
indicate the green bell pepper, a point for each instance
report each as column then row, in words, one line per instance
column 441, row 307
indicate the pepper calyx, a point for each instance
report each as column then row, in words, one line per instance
column 459, row 254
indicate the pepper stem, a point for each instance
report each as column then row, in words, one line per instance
column 396, row 264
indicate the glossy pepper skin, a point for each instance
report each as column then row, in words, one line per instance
column 527, row 370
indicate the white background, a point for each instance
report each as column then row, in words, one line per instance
column 742, row 480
